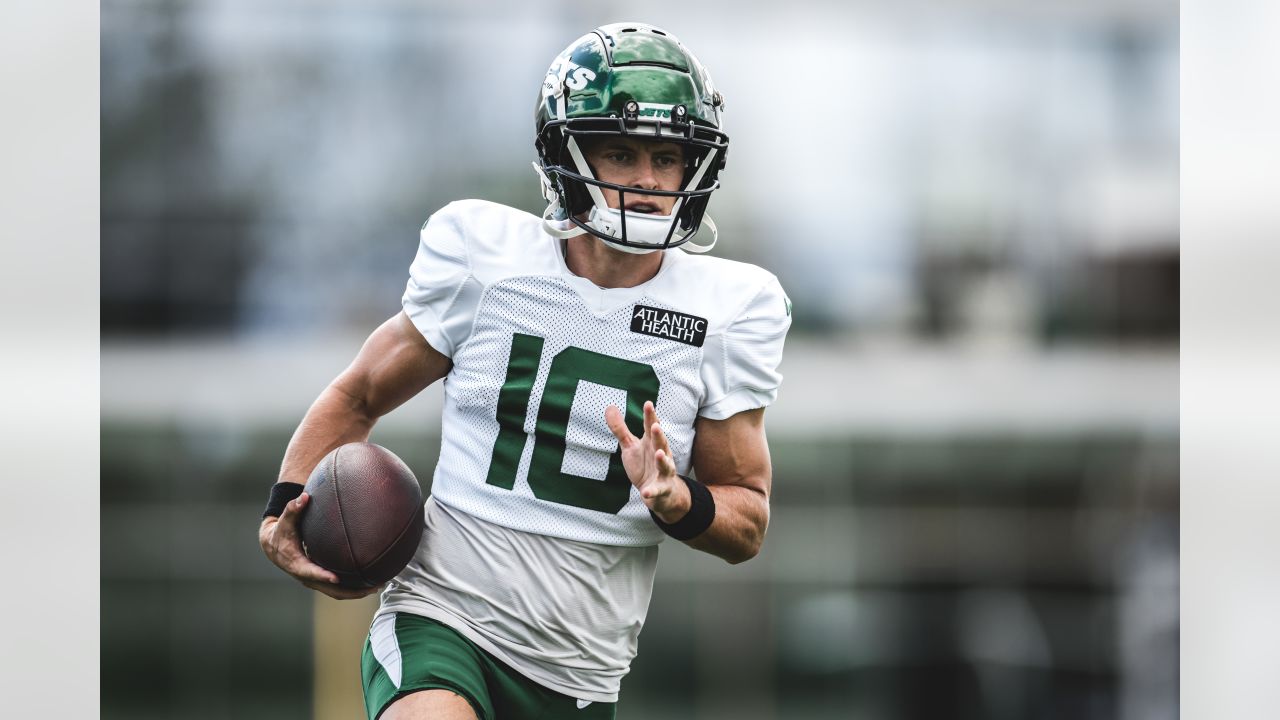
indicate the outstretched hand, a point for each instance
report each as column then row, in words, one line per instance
column 282, row 544
column 649, row 464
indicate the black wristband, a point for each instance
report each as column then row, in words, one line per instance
column 281, row 494
column 702, row 511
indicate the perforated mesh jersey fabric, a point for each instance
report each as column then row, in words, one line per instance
column 547, row 308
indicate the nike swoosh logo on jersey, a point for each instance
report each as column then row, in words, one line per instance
column 583, row 703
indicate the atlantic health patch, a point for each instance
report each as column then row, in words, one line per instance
column 669, row 324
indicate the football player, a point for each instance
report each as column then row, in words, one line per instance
column 605, row 387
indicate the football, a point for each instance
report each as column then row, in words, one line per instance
column 365, row 516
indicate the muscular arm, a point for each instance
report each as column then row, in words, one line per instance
column 730, row 457
column 395, row 364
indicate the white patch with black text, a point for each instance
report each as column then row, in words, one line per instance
column 669, row 324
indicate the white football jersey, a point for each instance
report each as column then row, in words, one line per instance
column 537, row 548
column 539, row 354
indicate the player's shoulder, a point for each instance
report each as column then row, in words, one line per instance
column 724, row 271
column 483, row 221
column 496, row 238
column 721, row 289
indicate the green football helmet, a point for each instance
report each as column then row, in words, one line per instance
column 638, row 81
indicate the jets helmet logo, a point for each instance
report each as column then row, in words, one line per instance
column 565, row 72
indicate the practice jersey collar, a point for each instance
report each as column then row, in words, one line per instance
column 604, row 301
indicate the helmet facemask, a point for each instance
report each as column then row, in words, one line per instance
column 579, row 204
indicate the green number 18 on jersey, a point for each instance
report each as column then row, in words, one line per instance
column 568, row 368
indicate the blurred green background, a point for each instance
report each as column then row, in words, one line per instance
column 974, row 206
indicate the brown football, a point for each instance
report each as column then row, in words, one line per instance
column 365, row 517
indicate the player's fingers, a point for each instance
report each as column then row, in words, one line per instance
column 307, row 571
column 613, row 418
column 655, row 491
column 650, row 413
column 666, row 465
column 657, row 488
column 315, row 573
column 319, row 581
column 659, row 438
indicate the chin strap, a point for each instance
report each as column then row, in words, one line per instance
column 564, row 229
column 548, row 190
column 561, row 229
column 690, row 246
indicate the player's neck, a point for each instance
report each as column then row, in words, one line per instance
column 607, row 267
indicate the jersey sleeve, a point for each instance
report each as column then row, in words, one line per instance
column 740, row 366
column 441, row 294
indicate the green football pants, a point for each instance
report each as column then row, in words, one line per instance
column 423, row 654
